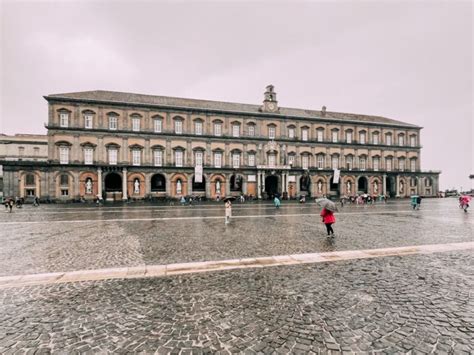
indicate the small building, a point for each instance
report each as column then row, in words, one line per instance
column 24, row 148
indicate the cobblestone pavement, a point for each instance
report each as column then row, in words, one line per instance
column 413, row 304
column 74, row 237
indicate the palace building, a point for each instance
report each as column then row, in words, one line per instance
column 123, row 145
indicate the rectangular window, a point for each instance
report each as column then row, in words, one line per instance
column 291, row 160
column 21, row 151
column 412, row 141
column 388, row 164
column 251, row 130
column 158, row 125
column 36, row 151
column 30, row 192
column 401, row 140
column 136, row 154
column 88, row 156
column 217, row 159
column 158, row 157
column 135, row 124
column 305, row 161
column 335, row 162
column 198, row 158
column 113, row 123
column 235, row 130
column 271, row 132
column 320, row 161
column 64, row 192
column 349, row 162
column 319, row 134
column 236, row 160
column 304, row 135
column 63, row 155
column 88, row 121
column 178, row 127
column 198, row 128
column 349, row 137
column 388, row 139
column 413, row 165
column 375, row 164
column 362, row 138
column 375, row 139
column 271, row 160
column 291, row 133
column 362, row 163
column 217, row 129
column 334, row 136
column 64, row 120
column 251, row 159
column 401, row 164
column 178, row 158
column 113, row 156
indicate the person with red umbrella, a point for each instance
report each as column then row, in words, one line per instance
column 465, row 202
column 327, row 214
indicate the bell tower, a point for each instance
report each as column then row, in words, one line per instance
column 270, row 103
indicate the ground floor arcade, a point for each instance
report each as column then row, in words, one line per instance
column 121, row 183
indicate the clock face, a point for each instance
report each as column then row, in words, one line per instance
column 271, row 106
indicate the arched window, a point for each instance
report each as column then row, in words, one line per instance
column 64, row 180
column 30, row 179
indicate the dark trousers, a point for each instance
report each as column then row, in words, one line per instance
column 329, row 228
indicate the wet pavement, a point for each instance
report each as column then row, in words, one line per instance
column 395, row 304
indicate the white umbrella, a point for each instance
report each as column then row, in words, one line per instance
column 327, row 204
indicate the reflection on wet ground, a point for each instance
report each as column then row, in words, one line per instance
column 71, row 237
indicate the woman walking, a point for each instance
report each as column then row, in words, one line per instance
column 228, row 211
column 328, row 219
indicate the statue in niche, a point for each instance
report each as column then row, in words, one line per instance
column 88, row 186
column 349, row 187
column 136, row 186
column 218, row 187
column 376, row 186
column 320, row 187
column 401, row 186
column 179, row 187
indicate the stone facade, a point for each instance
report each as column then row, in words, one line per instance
column 138, row 146
column 22, row 147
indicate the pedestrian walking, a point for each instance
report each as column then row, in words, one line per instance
column 276, row 202
column 10, row 205
column 418, row 202
column 328, row 219
column 414, row 202
column 228, row 211
column 464, row 202
column 36, row 201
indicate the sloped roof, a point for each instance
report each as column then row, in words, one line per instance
column 177, row 102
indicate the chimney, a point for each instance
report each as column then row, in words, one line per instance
column 323, row 111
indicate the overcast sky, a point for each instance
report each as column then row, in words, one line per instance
column 406, row 60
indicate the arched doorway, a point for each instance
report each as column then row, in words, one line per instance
column 390, row 186
column 113, row 182
column 271, row 185
column 199, row 186
column 158, row 183
column 363, row 185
